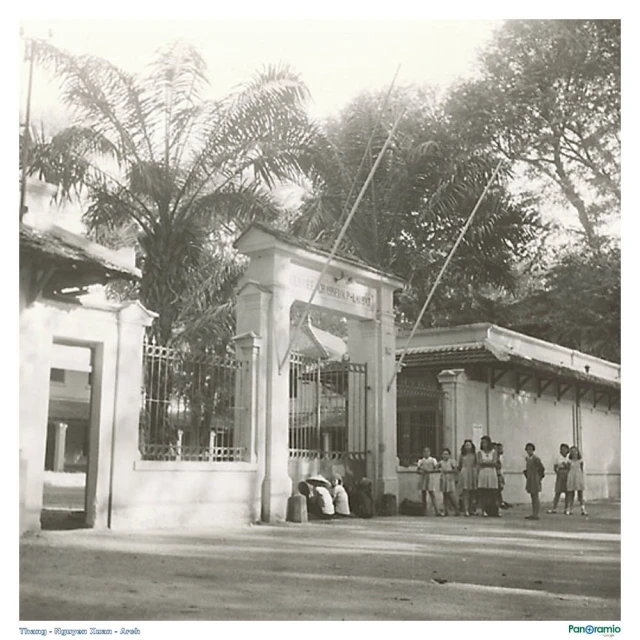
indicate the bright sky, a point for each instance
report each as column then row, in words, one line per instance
column 337, row 59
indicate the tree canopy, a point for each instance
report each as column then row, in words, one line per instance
column 179, row 176
column 548, row 96
column 177, row 172
column 420, row 197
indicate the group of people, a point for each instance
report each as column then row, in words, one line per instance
column 478, row 480
column 328, row 499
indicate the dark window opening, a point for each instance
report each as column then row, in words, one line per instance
column 57, row 375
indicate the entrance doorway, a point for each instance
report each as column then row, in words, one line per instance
column 68, row 435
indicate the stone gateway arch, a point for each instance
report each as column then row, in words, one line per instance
column 283, row 270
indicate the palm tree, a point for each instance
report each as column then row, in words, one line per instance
column 175, row 171
column 420, row 197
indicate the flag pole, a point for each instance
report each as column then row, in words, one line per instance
column 444, row 268
column 336, row 244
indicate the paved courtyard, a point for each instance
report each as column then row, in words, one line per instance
column 404, row 568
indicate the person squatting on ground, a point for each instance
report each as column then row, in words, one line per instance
column 534, row 473
column 561, row 468
column 324, row 502
column 340, row 497
column 448, row 473
column 363, row 499
column 467, row 478
column 575, row 480
column 428, row 470
column 487, row 462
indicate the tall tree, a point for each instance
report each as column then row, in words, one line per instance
column 424, row 189
column 549, row 96
column 576, row 302
column 178, row 171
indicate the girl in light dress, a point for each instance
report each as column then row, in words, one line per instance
column 561, row 467
column 575, row 480
column 428, row 470
column 487, row 462
column 448, row 473
column 467, row 476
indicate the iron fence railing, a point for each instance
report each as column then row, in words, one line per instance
column 327, row 408
column 192, row 405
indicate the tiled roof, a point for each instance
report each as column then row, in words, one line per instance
column 450, row 355
column 76, row 260
column 62, row 244
column 485, row 343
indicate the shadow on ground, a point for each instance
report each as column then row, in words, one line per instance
column 404, row 568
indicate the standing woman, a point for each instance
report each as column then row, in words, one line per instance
column 575, row 480
column 467, row 477
column 487, row 461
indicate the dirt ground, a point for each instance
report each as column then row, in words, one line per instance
column 404, row 568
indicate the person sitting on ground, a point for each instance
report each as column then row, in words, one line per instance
column 340, row 496
column 324, row 503
column 363, row 503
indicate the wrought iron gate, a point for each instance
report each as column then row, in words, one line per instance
column 327, row 409
column 191, row 405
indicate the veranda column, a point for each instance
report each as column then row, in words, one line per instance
column 453, row 387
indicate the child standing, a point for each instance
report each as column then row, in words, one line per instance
column 561, row 467
column 428, row 468
column 468, row 476
column 448, row 473
column 498, row 446
column 575, row 480
column 534, row 473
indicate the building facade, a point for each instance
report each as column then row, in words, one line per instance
column 482, row 379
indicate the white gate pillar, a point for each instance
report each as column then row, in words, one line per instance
column 263, row 307
column 373, row 342
column 284, row 269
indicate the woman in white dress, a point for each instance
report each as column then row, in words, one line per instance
column 575, row 480
column 488, row 487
